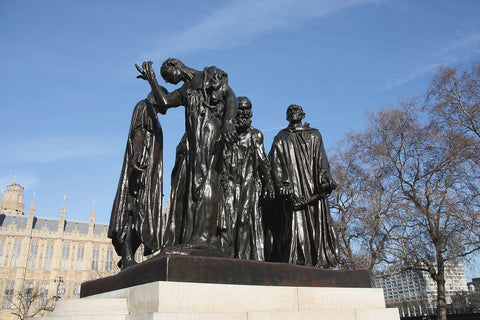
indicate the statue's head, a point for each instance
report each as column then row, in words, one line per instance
column 295, row 113
column 243, row 119
column 244, row 103
column 215, row 78
column 171, row 70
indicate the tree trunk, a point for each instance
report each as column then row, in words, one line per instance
column 441, row 299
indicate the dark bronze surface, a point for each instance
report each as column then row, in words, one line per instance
column 137, row 208
column 245, row 168
column 299, row 219
column 227, row 196
column 210, row 108
column 202, row 269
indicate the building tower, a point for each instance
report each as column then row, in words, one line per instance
column 13, row 199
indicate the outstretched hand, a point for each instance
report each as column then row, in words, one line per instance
column 146, row 71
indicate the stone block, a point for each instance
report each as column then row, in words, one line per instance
column 339, row 298
column 185, row 297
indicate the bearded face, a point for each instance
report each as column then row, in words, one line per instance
column 243, row 120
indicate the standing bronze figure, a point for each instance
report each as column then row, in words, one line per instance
column 245, row 165
column 137, row 208
column 301, row 174
column 210, row 108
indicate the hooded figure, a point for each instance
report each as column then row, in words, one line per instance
column 137, row 208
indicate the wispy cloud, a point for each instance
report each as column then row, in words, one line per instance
column 241, row 21
column 51, row 149
column 458, row 45
column 456, row 50
column 415, row 73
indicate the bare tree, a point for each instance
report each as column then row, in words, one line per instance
column 414, row 176
column 437, row 205
column 30, row 303
column 364, row 203
column 454, row 97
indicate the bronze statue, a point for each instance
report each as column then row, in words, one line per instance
column 245, row 164
column 221, row 177
column 137, row 208
column 210, row 108
column 301, row 174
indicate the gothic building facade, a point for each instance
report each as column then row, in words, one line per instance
column 43, row 260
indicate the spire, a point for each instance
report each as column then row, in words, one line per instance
column 31, row 210
column 91, row 220
column 15, row 178
column 63, row 211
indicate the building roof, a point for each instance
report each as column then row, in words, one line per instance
column 82, row 227
column 7, row 220
column 50, row 224
column 100, row 228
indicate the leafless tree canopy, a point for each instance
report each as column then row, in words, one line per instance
column 409, row 183
column 29, row 303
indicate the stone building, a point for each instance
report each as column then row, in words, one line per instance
column 414, row 292
column 42, row 260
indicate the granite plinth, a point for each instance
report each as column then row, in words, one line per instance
column 201, row 269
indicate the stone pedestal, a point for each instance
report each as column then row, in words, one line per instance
column 181, row 287
column 163, row 300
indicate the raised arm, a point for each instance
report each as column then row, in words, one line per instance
column 165, row 101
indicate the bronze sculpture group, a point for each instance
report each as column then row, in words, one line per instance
column 227, row 196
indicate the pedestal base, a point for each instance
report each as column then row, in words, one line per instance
column 203, row 269
column 179, row 287
column 201, row 301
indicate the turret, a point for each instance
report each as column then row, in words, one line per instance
column 13, row 199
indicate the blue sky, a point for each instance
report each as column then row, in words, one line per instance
column 68, row 82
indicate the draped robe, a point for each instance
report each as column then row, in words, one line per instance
column 195, row 197
column 139, row 194
column 299, row 160
column 242, row 222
